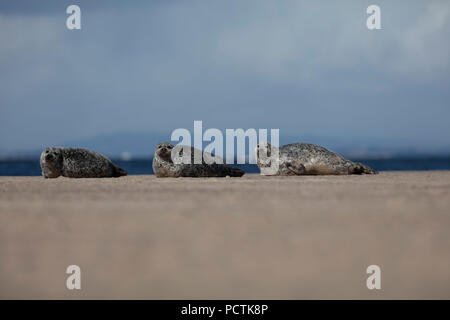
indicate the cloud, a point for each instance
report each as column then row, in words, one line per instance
column 423, row 46
column 293, row 45
column 304, row 67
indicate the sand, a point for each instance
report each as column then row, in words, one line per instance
column 139, row 237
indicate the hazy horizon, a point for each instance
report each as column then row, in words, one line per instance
column 135, row 145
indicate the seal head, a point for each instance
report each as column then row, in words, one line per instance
column 164, row 151
column 263, row 154
column 52, row 162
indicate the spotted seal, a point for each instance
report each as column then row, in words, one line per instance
column 164, row 166
column 77, row 163
column 305, row 159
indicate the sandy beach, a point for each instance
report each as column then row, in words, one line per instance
column 139, row 237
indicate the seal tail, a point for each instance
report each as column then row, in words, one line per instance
column 360, row 168
column 119, row 172
column 234, row 172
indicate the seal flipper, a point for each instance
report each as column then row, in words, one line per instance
column 234, row 172
column 296, row 167
column 360, row 168
column 118, row 171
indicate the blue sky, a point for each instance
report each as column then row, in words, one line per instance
column 309, row 68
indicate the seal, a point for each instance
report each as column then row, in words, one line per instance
column 77, row 163
column 305, row 159
column 164, row 165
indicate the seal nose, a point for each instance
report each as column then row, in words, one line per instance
column 163, row 149
column 48, row 157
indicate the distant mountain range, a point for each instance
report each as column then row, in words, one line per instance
column 142, row 145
